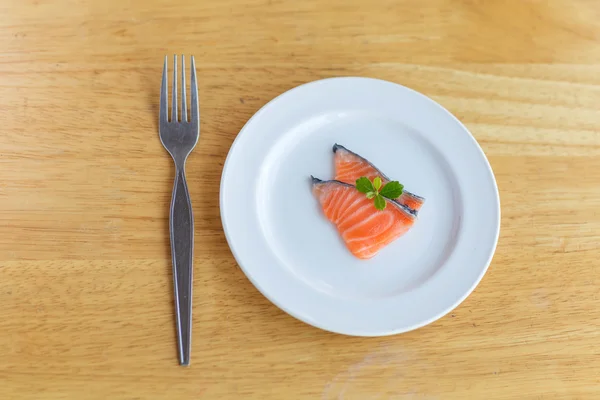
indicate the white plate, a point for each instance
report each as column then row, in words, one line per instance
column 294, row 256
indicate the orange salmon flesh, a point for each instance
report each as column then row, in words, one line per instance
column 350, row 166
column 364, row 229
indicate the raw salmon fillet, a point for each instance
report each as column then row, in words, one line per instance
column 364, row 229
column 349, row 166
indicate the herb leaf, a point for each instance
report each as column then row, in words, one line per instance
column 377, row 183
column 364, row 185
column 373, row 190
column 380, row 202
column 392, row 190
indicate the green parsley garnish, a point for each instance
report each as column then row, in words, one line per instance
column 373, row 190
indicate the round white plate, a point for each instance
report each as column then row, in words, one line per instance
column 295, row 257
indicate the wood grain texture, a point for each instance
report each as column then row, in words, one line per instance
column 85, row 276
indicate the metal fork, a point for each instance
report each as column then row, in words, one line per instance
column 179, row 137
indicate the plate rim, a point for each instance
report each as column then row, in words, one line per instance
column 317, row 324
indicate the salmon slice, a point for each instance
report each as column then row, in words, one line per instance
column 364, row 229
column 349, row 166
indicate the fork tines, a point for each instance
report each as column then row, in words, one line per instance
column 164, row 103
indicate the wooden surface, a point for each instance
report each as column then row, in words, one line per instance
column 85, row 277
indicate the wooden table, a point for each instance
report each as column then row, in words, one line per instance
column 86, row 306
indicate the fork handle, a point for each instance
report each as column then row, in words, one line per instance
column 181, row 226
